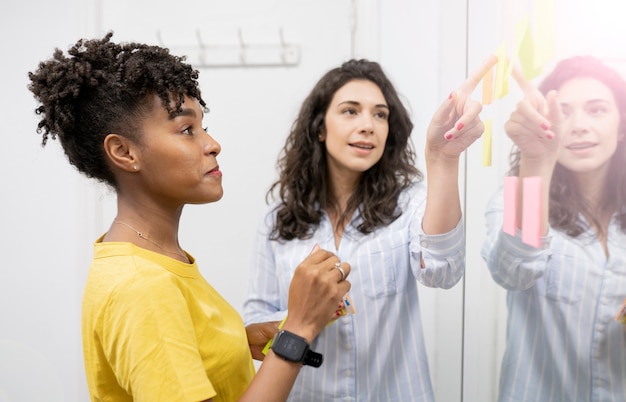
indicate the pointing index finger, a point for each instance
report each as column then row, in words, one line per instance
column 534, row 96
column 475, row 77
column 525, row 86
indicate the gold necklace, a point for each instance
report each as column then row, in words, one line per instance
column 140, row 234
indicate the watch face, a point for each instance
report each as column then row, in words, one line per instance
column 290, row 347
column 293, row 347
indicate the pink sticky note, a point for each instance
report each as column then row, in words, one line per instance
column 510, row 205
column 531, row 209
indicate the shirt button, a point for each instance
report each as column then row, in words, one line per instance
column 424, row 244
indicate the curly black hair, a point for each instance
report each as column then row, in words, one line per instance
column 302, row 184
column 566, row 204
column 102, row 87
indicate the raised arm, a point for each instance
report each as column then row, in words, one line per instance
column 454, row 127
column 534, row 128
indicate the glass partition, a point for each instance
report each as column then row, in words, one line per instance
column 560, row 29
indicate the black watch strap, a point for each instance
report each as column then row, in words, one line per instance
column 313, row 359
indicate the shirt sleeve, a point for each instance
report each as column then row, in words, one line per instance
column 263, row 302
column 149, row 340
column 513, row 264
column 444, row 258
column 443, row 254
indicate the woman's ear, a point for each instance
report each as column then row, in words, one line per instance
column 121, row 152
column 318, row 125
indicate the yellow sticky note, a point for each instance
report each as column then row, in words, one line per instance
column 521, row 28
column 527, row 56
column 501, row 82
column 488, row 87
column 544, row 17
column 269, row 343
column 487, row 142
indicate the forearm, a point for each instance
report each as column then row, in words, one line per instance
column 443, row 206
column 273, row 381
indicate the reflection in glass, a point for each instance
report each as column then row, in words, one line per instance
column 563, row 342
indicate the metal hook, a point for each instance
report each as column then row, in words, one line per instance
column 242, row 45
column 202, row 47
column 159, row 38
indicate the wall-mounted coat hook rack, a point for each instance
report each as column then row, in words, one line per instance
column 203, row 53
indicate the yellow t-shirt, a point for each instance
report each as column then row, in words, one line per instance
column 155, row 330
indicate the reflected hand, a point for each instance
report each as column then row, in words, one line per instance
column 534, row 124
column 456, row 123
column 258, row 336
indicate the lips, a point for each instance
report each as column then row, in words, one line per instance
column 580, row 145
column 362, row 145
column 215, row 172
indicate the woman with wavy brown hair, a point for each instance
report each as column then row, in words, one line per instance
column 347, row 182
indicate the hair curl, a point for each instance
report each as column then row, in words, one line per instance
column 302, row 183
column 566, row 203
column 102, row 87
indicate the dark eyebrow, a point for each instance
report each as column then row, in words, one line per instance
column 355, row 103
column 184, row 112
column 590, row 101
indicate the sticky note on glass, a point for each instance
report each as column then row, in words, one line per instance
column 531, row 211
column 502, row 80
column 509, row 224
column 544, row 17
column 487, row 142
column 487, row 94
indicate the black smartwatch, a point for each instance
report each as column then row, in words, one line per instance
column 294, row 348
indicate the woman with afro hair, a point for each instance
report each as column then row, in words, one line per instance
column 130, row 116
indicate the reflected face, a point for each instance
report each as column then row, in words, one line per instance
column 591, row 126
column 178, row 158
column 356, row 128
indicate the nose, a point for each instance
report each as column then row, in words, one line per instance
column 578, row 122
column 367, row 124
column 211, row 146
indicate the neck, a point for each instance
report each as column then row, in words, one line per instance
column 144, row 237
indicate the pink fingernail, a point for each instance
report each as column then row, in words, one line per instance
column 449, row 136
column 549, row 136
column 545, row 126
column 451, row 95
column 460, row 126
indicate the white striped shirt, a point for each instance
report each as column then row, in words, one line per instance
column 563, row 343
column 377, row 354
